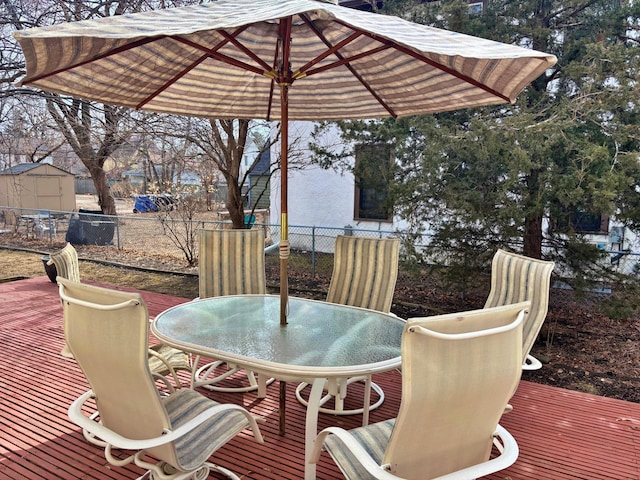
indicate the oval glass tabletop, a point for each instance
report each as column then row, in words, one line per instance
column 318, row 334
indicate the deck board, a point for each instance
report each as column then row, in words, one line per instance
column 562, row 434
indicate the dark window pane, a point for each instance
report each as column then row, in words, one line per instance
column 372, row 175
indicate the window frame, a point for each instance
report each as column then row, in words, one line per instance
column 358, row 180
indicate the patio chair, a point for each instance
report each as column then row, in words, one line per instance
column 458, row 373
column 516, row 278
column 164, row 360
column 230, row 262
column 45, row 224
column 66, row 263
column 108, row 332
column 364, row 275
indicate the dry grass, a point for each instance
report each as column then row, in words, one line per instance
column 18, row 264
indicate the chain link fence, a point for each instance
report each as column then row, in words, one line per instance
column 176, row 238
column 167, row 236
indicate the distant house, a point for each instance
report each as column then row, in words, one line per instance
column 338, row 200
column 136, row 178
column 37, row 186
column 259, row 186
column 342, row 201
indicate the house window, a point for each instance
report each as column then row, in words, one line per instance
column 582, row 222
column 475, row 8
column 372, row 177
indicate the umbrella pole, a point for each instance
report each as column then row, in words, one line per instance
column 284, row 221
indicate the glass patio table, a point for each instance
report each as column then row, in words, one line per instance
column 320, row 341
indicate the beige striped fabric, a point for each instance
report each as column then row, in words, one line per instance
column 365, row 271
column 231, row 262
column 217, row 60
column 108, row 331
column 458, row 373
column 195, row 447
column 66, row 262
column 166, row 361
column 373, row 438
column 516, row 278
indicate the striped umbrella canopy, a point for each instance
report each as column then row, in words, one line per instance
column 275, row 60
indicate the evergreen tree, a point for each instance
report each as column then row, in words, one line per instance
column 523, row 174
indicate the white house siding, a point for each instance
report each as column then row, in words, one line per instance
column 317, row 197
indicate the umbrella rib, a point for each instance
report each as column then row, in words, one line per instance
column 173, row 79
column 208, row 53
column 333, row 49
column 343, row 61
column 249, row 53
column 273, row 82
column 213, row 53
column 347, row 60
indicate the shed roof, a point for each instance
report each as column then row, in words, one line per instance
column 27, row 167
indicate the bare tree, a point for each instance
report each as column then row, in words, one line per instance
column 93, row 131
column 180, row 224
column 223, row 143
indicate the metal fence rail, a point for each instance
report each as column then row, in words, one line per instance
column 311, row 246
column 150, row 233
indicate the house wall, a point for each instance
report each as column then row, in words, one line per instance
column 259, row 195
column 317, row 197
column 325, row 199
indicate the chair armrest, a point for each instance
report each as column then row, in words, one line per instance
column 77, row 416
column 502, row 438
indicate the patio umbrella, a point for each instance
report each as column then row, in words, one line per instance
column 275, row 60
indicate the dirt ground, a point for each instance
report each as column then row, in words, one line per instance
column 581, row 349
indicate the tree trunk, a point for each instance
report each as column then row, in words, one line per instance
column 76, row 120
column 533, row 217
column 105, row 198
column 232, row 146
column 533, row 237
column 234, row 202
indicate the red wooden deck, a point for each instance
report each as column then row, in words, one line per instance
column 562, row 434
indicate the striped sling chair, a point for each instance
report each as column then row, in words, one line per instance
column 516, row 278
column 364, row 275
column 230, row 262
column 164, row 360
column 108, row 333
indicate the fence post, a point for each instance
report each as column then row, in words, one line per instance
column 50, row 224
column 118, row 231
column 313, row 251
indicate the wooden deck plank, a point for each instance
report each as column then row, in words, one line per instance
column 563, row 435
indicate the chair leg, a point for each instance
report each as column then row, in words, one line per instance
column 66, row 352
column 206, row 377
column 338, row 391
column 164, row 471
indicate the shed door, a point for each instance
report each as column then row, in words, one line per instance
column 49, row 192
